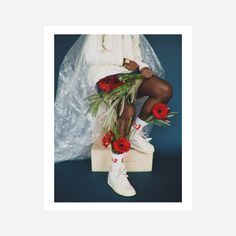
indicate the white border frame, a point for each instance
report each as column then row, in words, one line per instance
column 186, row 204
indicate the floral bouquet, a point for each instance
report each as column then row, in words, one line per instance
column 159, row 116
column 113, row 91
column 118, row 144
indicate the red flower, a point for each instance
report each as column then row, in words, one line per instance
column 106, row 140
column 109, row 83
column 115, row 82
column 160, row 111
column 121, row 145
column 104, row 85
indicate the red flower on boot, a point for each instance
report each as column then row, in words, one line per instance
column 106, row 140
column 160, row 111
column 121, row 145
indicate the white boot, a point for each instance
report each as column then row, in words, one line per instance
column 140, row 142
column 117, row 179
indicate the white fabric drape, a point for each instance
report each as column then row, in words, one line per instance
column 91, row 58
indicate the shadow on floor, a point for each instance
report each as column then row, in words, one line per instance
column 74, row 182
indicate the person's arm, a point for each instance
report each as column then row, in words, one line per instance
column 96, row 54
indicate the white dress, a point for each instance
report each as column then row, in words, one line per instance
column 105, row 54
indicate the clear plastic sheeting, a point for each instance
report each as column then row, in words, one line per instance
column 74, row 132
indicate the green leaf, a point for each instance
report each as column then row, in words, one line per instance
column 128, row 128
column 169, row 116
column 115, row 100
column 149, row 119
column 121, row 106
column 172, row 113
column 161, row 123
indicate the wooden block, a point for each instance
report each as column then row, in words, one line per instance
column 135, row 161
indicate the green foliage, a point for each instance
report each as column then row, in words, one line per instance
column 128, row 128
column 164, row 123
column 171, row 114
column 116, row 131
column 115, row 102
column 115, row 99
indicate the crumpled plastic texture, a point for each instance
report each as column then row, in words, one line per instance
column 73, row 131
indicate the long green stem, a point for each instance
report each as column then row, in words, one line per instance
column 149, row 119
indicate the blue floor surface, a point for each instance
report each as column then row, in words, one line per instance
column 74, row 182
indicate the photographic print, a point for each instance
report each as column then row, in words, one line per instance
column 117, row 120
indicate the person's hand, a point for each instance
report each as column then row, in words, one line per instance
column 132, row 65
column 146, row 72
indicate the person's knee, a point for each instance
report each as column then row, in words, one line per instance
column 163, row 91
column 167, row 92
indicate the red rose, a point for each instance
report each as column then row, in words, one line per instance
column 121, row 145
column 106, row 140
column 160, row 111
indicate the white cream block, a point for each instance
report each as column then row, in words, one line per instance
column 135, row 161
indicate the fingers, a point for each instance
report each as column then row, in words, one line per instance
column 147, row 73
column 131, row 66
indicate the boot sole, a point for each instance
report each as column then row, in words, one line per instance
column 124, row 195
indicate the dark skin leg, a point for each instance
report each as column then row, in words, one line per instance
column 157, row 90
column 123, row 120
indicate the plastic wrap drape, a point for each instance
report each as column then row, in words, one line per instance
column 74, row 132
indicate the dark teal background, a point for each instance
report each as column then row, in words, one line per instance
column 167, row 141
